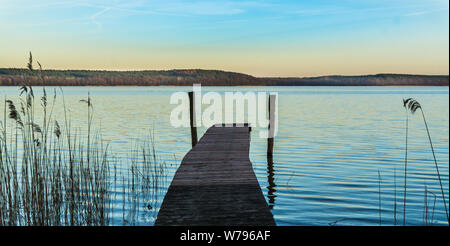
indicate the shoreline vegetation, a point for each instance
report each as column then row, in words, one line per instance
column 52, row 174
column 188, row 77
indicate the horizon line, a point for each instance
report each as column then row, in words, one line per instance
column 227, row 71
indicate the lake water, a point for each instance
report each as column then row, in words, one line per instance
column 331, row 145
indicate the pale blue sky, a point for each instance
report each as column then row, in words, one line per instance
column 263, row 38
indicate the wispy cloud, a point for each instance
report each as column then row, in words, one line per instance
column 118, row 9
column 97, row 14
column 417, row 13
column 399, row 10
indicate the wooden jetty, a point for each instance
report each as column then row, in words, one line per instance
column 215, row 184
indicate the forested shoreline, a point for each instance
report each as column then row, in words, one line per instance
column 187, row 77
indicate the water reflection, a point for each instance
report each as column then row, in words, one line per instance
column 271, row 178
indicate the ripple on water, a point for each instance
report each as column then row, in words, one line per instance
column 331, row 144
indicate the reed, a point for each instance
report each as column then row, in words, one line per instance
column 428, row 216
column 405, row 101
column 146, row 176
column 412, row 105
column 51, row 175
column 41, row 183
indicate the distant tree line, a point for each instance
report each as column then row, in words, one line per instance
column 187, row 77
column 364, row 80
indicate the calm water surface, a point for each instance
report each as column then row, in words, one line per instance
column 331, row 144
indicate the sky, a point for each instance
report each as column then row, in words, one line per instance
column 260, row 38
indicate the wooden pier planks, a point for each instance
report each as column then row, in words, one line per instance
column 215, row 184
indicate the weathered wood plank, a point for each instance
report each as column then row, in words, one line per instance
column 215, row 184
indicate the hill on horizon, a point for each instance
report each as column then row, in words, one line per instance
column 187, row 77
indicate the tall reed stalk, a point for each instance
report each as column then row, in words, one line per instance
column 413, row 106
column 405, row 101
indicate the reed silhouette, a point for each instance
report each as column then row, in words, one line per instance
column 413, row 105
column 405, row 101
column 51, row 176
column 427, row 217
column 41, row 183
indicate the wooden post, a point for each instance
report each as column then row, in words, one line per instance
column 192, row 119
column 270, row 171
column 272, row 100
